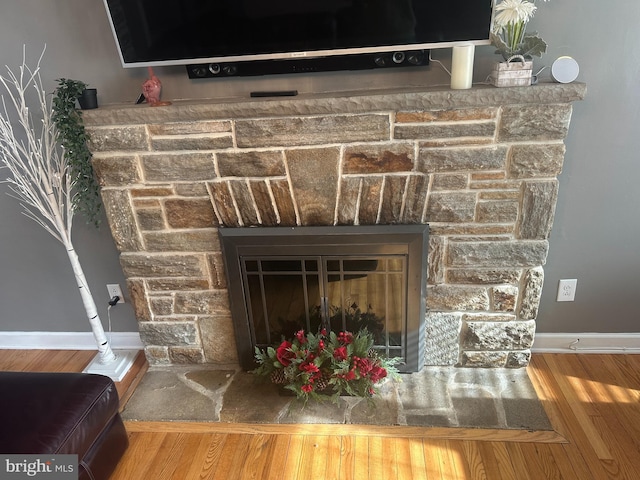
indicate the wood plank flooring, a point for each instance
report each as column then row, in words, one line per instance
column 593, row 402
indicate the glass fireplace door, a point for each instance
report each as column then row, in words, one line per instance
column 284, row 294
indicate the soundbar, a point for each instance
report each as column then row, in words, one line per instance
column 412, row 58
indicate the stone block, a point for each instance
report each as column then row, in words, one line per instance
column 529, row 161
column 498, row 335
column 172, row 143
column 284, row 202
column 245, row 205
column 452, row 115
column 162, row 306
column 498, row 211
column 441, row 130
column 138, row 299
column 190, row 213
column 150, row 219
column 504, row 298
column 531, row 293
column 522, row 123
column 262, row 199
column 191, row 189
column 415, row 198
column 450, row 181
column 155, row 191
column 122, row 221
column 518, row 359
column 348, row 201
column 148, row 265
column 500, row 194
column 455, row 207
column 157, row 355
column 392, row 195
column 472, row 229
column 202, row 240
column 223, row 203
column 186, row 355
column 538, row 208
column 210, row 302
column 314, row 176
column 442, row 332
column 116, row 171
column 498, row 254
column 434, row 160
column 169, row 334
column 315, row 130
column 435, row 260
column 171, row 284
column 370, row 200
column 180, row 167
column 269, row 163
column 190, row 128
column 118, row 139
column 384, row 158
column 457, row 297
column 484, row 359
column 488, row 317
column 216, row 270
column 483, row 276
column 218, row 339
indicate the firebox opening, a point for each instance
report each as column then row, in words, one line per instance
column 341, row 278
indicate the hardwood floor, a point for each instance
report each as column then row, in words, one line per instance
column 593, row 402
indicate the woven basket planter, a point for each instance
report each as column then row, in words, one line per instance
column 516, row 72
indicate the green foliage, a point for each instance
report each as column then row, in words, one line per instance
column 531, row 45
column 73, row 138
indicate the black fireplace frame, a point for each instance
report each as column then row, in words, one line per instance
column 411, row 240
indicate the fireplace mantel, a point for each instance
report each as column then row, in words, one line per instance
column 479, row 166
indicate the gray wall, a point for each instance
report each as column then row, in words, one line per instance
column 597, row 221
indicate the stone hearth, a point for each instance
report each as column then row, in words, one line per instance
column 479, row 166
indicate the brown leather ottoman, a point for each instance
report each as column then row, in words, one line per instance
column 58, row 413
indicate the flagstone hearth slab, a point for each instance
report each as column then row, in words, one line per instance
column 433, row 397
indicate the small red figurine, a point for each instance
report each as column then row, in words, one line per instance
column 151, row 89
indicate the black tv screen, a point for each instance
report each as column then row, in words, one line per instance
column 180, row 32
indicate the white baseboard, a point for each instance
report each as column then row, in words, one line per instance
column 586, row 343
column 67, row 340
column 544, row 342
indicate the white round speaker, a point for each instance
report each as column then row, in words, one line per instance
column 565, row 70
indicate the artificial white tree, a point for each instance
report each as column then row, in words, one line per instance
column 40, row 177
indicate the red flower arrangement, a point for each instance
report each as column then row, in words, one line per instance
column 326, row 366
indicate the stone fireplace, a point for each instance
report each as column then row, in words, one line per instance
column 479, row 166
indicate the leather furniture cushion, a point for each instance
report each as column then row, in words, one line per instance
column 54, row 412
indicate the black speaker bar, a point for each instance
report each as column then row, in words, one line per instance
column 365, row 61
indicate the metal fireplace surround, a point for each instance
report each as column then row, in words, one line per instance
column 256, row 259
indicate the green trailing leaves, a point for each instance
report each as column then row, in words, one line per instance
column 74, row 138
column 532, row 45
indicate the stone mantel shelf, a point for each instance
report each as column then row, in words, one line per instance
column 401, row 98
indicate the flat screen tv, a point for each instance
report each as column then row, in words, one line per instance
column 249, row 37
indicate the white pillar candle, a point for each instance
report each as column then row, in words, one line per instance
column 462, row 66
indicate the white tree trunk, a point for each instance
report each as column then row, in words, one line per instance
column 106, row 355
column 40, row 178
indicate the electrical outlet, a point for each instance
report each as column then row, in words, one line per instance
column 567, row 290
column 115, row 290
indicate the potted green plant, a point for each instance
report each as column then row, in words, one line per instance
column 512, row 41
column 73, row 138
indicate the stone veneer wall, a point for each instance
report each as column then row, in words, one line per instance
column 478, row 165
